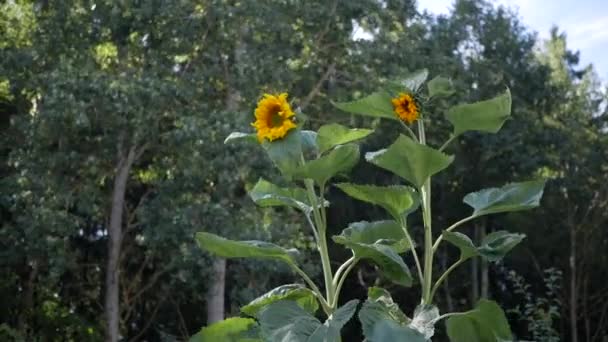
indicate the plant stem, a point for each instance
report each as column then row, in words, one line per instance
column 450, row 228
column 314, row 288
column 322, row 243
column 343, row 267
column 452, row 137
column 409, row 130
column 425, row 191
column 413, row 249
column 334, row 303
column 445, row 275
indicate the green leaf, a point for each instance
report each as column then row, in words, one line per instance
column 286, row 153
column 339, row 160
column 463, row 242
column 334, row 134
column 303, row 296
column 386, row 330
column 395, row 199
column 410, row 160
column 309, row 141
column 235, row 329
column 496, row 245
column 266, row 194
column 380, row 306
column 485, row 116
column 390, row 263
column 242, row 249
column 237, row 136
column 286, row 321
column 511, row 197
column 376, row 105
column 440, row 87
column 486, row 323
column 387, row 232
column 414, row 80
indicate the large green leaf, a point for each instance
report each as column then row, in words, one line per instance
column 463, row 242
column 287, row 321
column 496, row 245
column 242, row 249
column 410, row 160
column 339, row 160
column 511, row 197
column 484, row 116
column 486, row 323
column 387, row 330
column 440, row 87
column 266, row 194
column 303, row 296
column 235, row 329
column 414, row 81
column 377, row 104
column 395, row 199
column 380, row 306
column 388, row 232
column 286, row 153
column 390, row 263
column 334, row 134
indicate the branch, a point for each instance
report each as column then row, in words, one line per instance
column 317, row 88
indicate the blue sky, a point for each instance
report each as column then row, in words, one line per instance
column 584, row 21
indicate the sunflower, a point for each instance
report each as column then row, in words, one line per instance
column 273, row 117
column 406, row 108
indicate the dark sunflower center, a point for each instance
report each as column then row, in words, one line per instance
column 276, row 119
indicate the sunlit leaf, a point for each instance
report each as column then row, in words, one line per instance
column 486, row 323
column 225, row 248
column 440, row 87
column 235, row 329
column 240, row 136
column 266, row 194
column 388, row 232
column 410, row 160
column 377, row 105
column 303, row 296
column 337, row 161
column 395, row 199
column 511, row 197
column 333, row 135
column 286, row 153
column 485, row 116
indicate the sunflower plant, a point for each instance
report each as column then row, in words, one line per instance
column 309, row 161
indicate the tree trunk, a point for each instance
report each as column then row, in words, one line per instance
column 112, row 309
column 573, row 289
column 215, row 294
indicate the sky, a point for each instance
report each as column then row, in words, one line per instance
column 584, row 21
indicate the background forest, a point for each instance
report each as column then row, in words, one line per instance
column 112, row 121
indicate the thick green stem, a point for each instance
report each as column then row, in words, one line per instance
column 334, row 303
column 452, row 137
column 413, row 249
column 425, row 192
column 409, row 130
column 322, row 242
column 445, row 275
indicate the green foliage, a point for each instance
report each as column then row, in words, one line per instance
column 485, row 116
column 511, row 197
column 377, row 105
column 487, row 322
column 440, row 87
column 337, row 161
column 410, row 160
column 388, row 232
column 266, row 194
column 396, row 200
column 286, row 320
column 493, row 247
column 304, row 297
column 333, row 135
column 236, row 329
column 243, row 249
